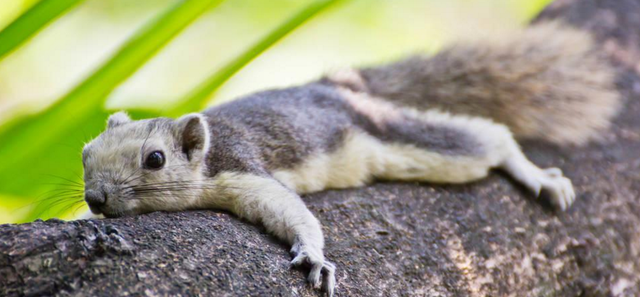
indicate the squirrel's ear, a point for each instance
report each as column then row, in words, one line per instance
column 118, row 119
column 192, row 133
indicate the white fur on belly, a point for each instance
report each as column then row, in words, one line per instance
column 363, row 157
column 350, row 166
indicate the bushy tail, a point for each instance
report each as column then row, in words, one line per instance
column 545, row 82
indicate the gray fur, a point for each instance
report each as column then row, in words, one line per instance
column 277, row 129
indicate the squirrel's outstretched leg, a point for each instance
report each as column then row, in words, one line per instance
column 458, row 149
column 261, row 199
column 550, row 180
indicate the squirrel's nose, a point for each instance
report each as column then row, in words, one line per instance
column 95, row 198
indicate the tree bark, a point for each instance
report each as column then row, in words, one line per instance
column 388, row 239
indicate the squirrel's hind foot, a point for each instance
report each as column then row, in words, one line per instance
column 558, row 188
column 551, row 182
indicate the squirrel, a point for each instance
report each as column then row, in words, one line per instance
column 448, row 118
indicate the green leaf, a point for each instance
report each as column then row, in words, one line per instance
column 30, row 22
column 30, row 145
column 198, row 97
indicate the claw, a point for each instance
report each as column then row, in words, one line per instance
column 299, row 259
column 559, row 187
column 314, row 275
column 329, row 281
column 303, row 255
column 536, row 188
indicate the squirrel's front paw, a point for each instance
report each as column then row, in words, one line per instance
column 313, row 258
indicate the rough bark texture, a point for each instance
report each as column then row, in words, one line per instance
column 394, row 239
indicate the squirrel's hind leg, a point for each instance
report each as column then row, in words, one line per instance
column 461, row 149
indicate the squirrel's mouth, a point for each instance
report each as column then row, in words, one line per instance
column 109, row 215
column 97, row 210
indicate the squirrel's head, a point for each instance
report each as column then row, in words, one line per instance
column 141, row 166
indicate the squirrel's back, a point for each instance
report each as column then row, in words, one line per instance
column 546, row 82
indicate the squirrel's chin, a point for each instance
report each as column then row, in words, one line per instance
column 118, row 213
column 106, row 212
column 109, row 215
column 95, row 210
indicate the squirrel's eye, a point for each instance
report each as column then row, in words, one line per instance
column 155, row 160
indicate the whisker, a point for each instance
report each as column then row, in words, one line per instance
column 78, row 176
column 142, row 197
column 137, row 178
column 176, row 186
column 47, row 207
column 58, row 193
column 67, row 197
column 177, row 189
column 180, row 182
column 144, row 143
column 129, row 178
column 61, row 202
column 56, row 197
column 64, row 184
column 78, row 205
column 64, row 188
column 181, row 186
column 66, row 179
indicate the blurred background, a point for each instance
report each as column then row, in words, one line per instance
column 66, row 64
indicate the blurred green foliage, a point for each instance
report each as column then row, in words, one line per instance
column 40, row 167
column 31, row 22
